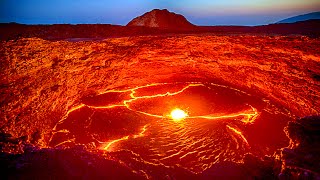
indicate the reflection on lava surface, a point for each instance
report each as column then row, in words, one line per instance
column 136, row 126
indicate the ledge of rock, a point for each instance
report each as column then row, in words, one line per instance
column 301, row 158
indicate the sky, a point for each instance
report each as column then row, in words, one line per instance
column 120, row 12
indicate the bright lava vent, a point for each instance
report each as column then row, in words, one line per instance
column 178, row 115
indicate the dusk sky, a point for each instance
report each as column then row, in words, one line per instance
column 199, row 12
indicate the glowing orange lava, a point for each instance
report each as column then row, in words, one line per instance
column 239, row 133
column 178, row 115
column 107, row 147
column 110, row 143
column 162, row 133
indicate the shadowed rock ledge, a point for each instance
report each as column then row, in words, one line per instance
column 301, row 158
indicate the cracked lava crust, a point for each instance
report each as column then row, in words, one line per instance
column 219, row 124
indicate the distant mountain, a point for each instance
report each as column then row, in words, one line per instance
column 304, row 17
column 161, row 19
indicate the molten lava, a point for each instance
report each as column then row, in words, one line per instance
column 178, row 114
column 138, row 125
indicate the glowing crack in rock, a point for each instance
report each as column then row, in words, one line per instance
column 115, row 141
column 141, row 134
column 238, row 133
column 177, row 123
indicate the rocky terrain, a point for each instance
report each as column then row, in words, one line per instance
column 301, row 157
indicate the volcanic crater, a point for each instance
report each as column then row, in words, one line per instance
column 108, row 103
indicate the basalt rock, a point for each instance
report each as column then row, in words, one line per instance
column 301, row 158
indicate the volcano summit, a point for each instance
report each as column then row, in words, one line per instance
column 162, row 19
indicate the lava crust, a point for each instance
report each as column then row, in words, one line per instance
column 223, row 124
